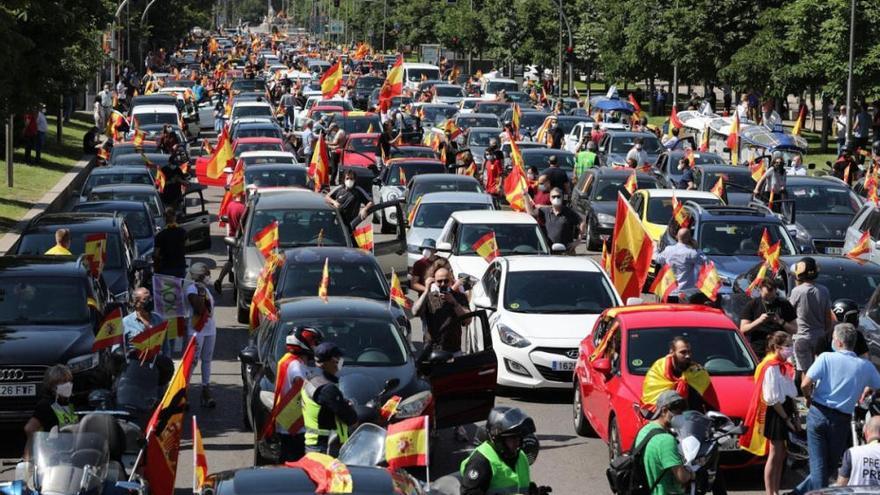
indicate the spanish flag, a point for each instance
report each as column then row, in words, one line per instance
column 664, row 283
column 719, row 190
column 862, row 247
column 516, row 157
column 764, row 245
column 451, row 130
column 280, row 379
column 757, row 169
column 95, row 253
column 407, row 443
column 709, row 281
column 331, row 81
column 606, row 258
column 413, row 210
column 328, row 474
column 266, row 239
column 263, row 300
column 799, row 123
column 516, row 115
column 165, row 427
column 149, row 342
column 287, row 411
column 103, row 153
column 160, row 180
column 661, row 377
column 390, row 407
column 689, row 154
column 393, row 85
column 678, row 214
column 319, row 165
column 398, row 296
column 363, row 236
column 871, row 187
column 753, row 440
column 325, row 281
column 704, row 139
column 176, row 328
column 733, row 139
column 221, row 156
column 139, row 137
column 631, row 184
column 515, row 189
column 487, row 247
column 759, row 277
column 200, row 461
column 631, row 251
column 674, row 121
column 772, row 256
column 110, row 331
column 637, row 109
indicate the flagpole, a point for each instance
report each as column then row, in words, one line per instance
column 196, row 488
column 427, row 454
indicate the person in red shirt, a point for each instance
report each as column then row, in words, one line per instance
column 542, row 192
column 234, row 214
column 597, row 133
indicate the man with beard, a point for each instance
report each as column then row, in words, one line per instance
column 677, row 371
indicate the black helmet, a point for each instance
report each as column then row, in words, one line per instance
column 303, row 340
column 846, row 311
column 507, row 422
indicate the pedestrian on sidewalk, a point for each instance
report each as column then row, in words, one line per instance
column 202, row 325
column 42, row 128
column 234, row 213
column 29, row 134
column 98, row 113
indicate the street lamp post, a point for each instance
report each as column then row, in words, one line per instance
column 384, row 16
column 849, row 77
column 141, row 31
column 114, row 45
column 675, row 72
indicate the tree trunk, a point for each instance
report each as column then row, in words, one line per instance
column 826, row 128
column 813, row 109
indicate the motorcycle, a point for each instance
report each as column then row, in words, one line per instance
column 863, row 412
column 701, row 437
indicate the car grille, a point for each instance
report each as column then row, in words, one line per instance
column 569, row 352
column 554, row 376
column 820, row 244
column 18, row 407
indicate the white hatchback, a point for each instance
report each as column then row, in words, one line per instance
column 868, row 218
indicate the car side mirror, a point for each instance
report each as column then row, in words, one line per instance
column 602, row 365
column 248, row 355
column 482, row 301
column 444, row 247
column 557, row 248
column 231, row 241
column 439, row 356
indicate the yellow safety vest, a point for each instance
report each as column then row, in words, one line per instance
column 312, row 409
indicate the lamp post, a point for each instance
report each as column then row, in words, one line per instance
column 114, row 46
column 141, row 31
column 849, row 76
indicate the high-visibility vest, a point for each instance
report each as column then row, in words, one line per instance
column 64, row 414
column 504, row 479
column 311, row 411
column 865, row 461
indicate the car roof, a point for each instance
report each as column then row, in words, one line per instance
column 485, row 129
column 493, row 216
column 616, row 172
column 37, row 265
column 258, row 140
column 291, row 198
column 622, row 133
column 456, row 197
column 734, row 213
column 252, row 104
column 725, row 169
column 336, row 254
column 75, row 221
column 499, row 79
column 828, row 263
column 530, row 263
column 154, row 109
column 414, row 65
column 267, row 154
column 111, row 205
column 444, row 178
column 477, row 116
column 126, row 188
column 670, row 315
column 546, row 151
column 681, row 194
column 803, row 180
column 335, row 307
column 120, row 169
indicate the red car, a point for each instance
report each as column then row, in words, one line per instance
column 360, row 150
column 608, row 387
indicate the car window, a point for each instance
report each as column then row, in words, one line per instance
column 481, row 138
column 448, row 91
column 540, row 160
column 276, row 177
column 259, row 111
column 722, row 352
column 434, row 215
column 872, row 223
column 607, row 187
column 359, row 279
column 511, row 238
column 733, row 181
column 23, row 301
column 582, row 293
column 244, row 147
column 736, row 238
column 816, row 198
column 121, row 178
column 367, row 342
column 362, row 144
column 411, row 170
column 301, row 227
column 622, row 144
column 660, row 209
column 144, row 119
column 151, row 199
column 858, row 285
column 40, row 242
column 491, row 280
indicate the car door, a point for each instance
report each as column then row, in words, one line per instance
column 196, row 220
column 464, row 386
column 596, row 385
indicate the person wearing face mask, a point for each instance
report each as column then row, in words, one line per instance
column 168, row 140
column 560, row 223
column 665, row 471
column 143, row 318
column 55, row 407
column 325, row 409
column 766, row 315
column 351, row 200
column 773, row 400
column 493, row 158
column 420, row 267
column 772, row 182
column 678, row 372
column 202, row 324
column 175, row 181
column 542, row 191
column 640, row 155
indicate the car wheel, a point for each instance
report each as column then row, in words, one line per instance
column 242, row 313
column 384, row 227
column 614, row 449
column 581, row 425
column 592, row 242
column 259, row 460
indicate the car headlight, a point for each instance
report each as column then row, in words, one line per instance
column 512, row 338
column 392, row 195
column 250, row 277
column 84, row 363
column 604, row 218
column 800, row 233
column 413, row 405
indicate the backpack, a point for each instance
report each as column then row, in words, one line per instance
column 626, row 473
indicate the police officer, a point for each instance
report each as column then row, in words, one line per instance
column 296, row 363
column 325, row 410
column 499, row 465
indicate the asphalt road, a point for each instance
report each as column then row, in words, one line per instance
column 568, row 463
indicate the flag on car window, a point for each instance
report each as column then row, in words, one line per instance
column 110, row 331
column 139, row 137
column 95, row 252
column 764, row 245
column 390, row 407
column 413, row 211
column 487, row 247
column 733, row 139
column 266, row 239
column 772, row 256
column 631, row 184
column 407, row 443
column 393, row 85
column 719, row 190
column 221, row 156
column 678, row 213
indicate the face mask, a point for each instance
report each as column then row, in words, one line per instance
column 785, row 352
column 340, row 363
column 542, row 187
column 349, row 183
column 427, row 253
column 531, row 177
column 639, row 147
column 64, row 389
column 680, row 166
column 556, row 201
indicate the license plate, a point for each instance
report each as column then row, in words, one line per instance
column 834, row 250
column 562, row 365
column 18, row 390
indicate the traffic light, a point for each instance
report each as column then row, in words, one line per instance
column 569, row 55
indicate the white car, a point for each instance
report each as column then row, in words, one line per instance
column 540, row 308
column 433, row 211
column 145, row 115
column 574, row 137
column 491, row 86
column 515, row 233
column 414, row 74
column 252, row 110
column 868, row 218
column 467, row 104
column 261, row 157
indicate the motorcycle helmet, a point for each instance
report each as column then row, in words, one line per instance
column 303, row 340
column 846, row 311
column 507, row 422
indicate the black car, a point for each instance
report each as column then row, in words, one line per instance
column 123, row 267
column 378, row 356
column 137, row 159
column 128, row 147
column 540, row 158
column 257, row 129
column 529, row 120
column 137, row 218
column 738, row 182
column 616, row 144
column 117, row 175
column 667, row 163
column 595, row 196
column 468, row 120
column 362, row 89
column 49, row 313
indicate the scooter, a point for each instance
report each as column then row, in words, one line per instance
column 700, row 438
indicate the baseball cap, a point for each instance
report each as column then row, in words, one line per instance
column 327, row 350
column 806, row 265
column 666, row 399
column 428, row 244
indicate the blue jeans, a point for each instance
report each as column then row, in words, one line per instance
column 827, row 434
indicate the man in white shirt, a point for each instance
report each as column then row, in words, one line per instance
column 861, row 464
column 797, row 166
column 42, row 128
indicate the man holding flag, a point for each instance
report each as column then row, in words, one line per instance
column 683, row 259
column 141, row 319
column 560, row 223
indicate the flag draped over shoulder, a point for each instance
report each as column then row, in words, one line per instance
column 661, row 377
column 753, row 440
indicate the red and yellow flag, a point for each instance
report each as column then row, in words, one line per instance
column 287, row 410
column 95, row 253
column 631, row 184
column 176, row 327
column 413, row 210
column 678, row 213
column 328, row 474
column 606, row 258
column 661, row 377
column 390, row 407
column 398, row 296
column 110, row 331
column 452, row 130
column 407, row 443
column 516, row 189
column 221, row 156
column 799, row 123
column 862, row 247
column 325, row 281
column 871, row 187
column 331, row 81
column 487, row 247
column 733, row 139
column 165, row 427
column 266, row 239
column 263, row 301
column 319, row 165
column 363, row 236
column 631, row 251
column 759, row 277
column 719, row 190
column 200, row 461
column 160, row 180
column 664, row 283
column 149, row 342
column 139, row 137
column 757, row 169
column 637, row 109
column 753, row 440
column 764, row 245
column 393, row 85
column 516, row 157
column 362, row 51
column 515, row 117
column 708, row 281
column 704, row 139
column 674, row 121
column 689, row 154
column 772, row 256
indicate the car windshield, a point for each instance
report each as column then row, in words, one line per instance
column 412, row 152
column 441, row 186
column 737, row 238
column 496, row 86
column 733, row 181
column 825, row 199
column 40, row 242
column 469, row 104
column 481, row 138
column 622, row 144
column 95, row 180
column 493, row 108
column 23, row 300
column 512, row 238
column 411, row 170
column 244, row 147
column 275, row 177
column 448, row 91
column 435, row 215
column 357, row 125
column 468, row 122
column 660, row 209
column 269, row 132
column 540, row 160
column 582, row 292
column 721, row 351
column 368, row 83
column 249, row 111
column 438, row 114
column 143, row 119
column 606, row 188
column 532, row 120
column 347, row 278
column 259, row 160
column 365, row 342
column 363, row 144
column 413, row 74
column 247, row 85
column 301, row 227
column 858, row 285
column 151, row 199
column 567, row 124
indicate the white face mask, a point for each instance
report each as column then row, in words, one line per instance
column 339, row 364
column 349, row 183
column 639, row 147
column 427, row 253
column 64, row 389
column 556, row 201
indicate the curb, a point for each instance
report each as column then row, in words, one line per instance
column 53, row 201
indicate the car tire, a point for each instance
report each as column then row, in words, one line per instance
column 384, row 227
column 614, row 448
column 259, row 460
column 592, row 242
column 243, row 315
column 581, row 425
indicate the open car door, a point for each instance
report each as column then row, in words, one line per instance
column 396, row 245
column 464, row 386
column 196, row 220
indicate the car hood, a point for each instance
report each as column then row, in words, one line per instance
column 415, row 236
column 824, row 226
column 606, row 207
column 555, row 330
column 731, row 266
column 734, row 393
column 360, row 384
column 472, row 265
column 44, row 344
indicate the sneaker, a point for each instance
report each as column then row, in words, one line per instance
column 207, row 400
